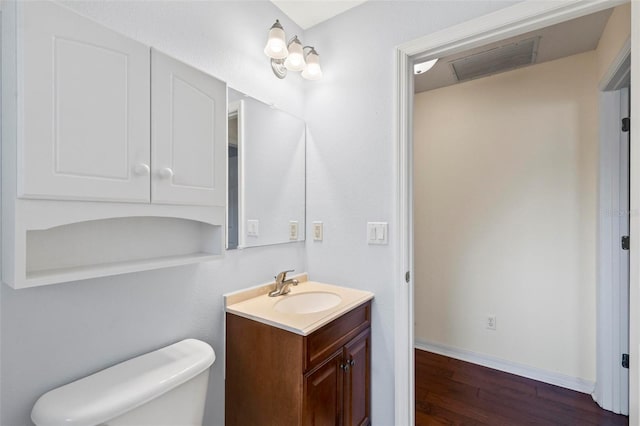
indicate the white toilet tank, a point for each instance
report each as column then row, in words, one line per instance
column 167, row 387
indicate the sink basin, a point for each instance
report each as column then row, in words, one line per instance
column 307, row 303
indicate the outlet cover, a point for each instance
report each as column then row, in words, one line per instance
column 293, row 230
column 317, row 231
column 253, row 228
column 491, row 322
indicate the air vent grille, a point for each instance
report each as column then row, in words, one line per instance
column 496, row 60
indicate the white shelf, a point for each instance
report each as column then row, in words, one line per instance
column 53, row 276
column 112, row 246
column 48, row 241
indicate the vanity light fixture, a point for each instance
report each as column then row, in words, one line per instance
column 291, row 56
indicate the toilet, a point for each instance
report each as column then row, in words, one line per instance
column 166, row 387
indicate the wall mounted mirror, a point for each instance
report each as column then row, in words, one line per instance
column 266, row 174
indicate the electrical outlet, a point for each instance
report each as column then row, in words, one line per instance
column 293, row 230
column 253, row 228
column 491, row 322
column 317, row 231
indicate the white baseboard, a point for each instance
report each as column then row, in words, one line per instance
column 552, row 378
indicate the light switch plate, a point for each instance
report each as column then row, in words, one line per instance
column 253, row 228
column 317, row 231
column 293, row 230
column 377, row 233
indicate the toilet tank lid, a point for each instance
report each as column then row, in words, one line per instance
column 116, row 390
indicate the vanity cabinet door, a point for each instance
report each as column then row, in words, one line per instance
column 276, row 377
column 357, row 383
column 323, row 390
column 189, row 134
column 84, row 102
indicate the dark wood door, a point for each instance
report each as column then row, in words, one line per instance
column 357, row 386
column 323, row 393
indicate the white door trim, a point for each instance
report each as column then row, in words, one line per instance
column 404, row 333
column 634, row 263
column 611, row 390
column 514, row 20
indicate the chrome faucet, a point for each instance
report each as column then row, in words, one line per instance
column 283, row 284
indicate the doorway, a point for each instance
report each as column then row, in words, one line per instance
column 514, row 20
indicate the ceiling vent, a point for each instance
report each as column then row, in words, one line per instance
column 496, row 60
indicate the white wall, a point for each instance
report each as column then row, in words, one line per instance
column 351, row 168
column 505, row 215
column 52, row 335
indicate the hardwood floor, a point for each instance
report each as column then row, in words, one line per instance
column 453, row 392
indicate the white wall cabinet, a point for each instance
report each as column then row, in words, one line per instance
column 110, row 148
column 85, row 109
column 188, row 117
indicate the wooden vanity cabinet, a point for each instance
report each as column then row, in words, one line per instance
column 276, row 377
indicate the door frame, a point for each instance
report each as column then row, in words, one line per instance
column 612, row 299
column 520, row 18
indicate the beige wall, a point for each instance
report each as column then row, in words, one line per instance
column 505, row 215
column 615, row 34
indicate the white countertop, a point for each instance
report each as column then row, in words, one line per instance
column 256, row 305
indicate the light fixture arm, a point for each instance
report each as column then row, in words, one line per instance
column 278, row 68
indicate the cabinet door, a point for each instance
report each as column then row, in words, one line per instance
column 357, row 386
column 323, row 393
column 189, row 134
column 84, row 98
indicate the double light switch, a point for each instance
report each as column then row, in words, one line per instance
column 377, row 232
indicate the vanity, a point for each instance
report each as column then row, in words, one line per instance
column 303, row 358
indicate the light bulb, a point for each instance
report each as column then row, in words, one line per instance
column 312, row 70
column 295, row 60
column 276, row 47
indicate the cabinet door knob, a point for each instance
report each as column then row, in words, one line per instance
column 351, row 362
column 166, row 173
column 345, row 367
column 141, row 169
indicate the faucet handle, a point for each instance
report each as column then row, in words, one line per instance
column 282, row 276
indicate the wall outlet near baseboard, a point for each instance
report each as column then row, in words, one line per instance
column 491, row 322
column 253, row 228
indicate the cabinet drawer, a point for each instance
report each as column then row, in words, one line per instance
column 325, row 341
